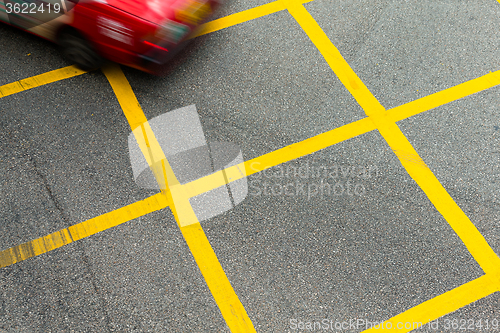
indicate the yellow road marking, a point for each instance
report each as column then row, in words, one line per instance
column 334, row 136
column 443, row 97
column 230, row 306
column 81, row 230
column 280, row 156
column 40, row 80
column 150, row 147
column 333, row 57
column 345, row 132
column 349, row 79
column 409, row 158
column 241, row 17
column 439, row 306
column 329, row 138
column 437, row 194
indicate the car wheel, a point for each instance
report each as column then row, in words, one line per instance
column 77, row 49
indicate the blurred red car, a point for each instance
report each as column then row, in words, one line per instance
column 143, row 34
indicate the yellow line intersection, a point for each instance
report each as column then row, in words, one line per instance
column 377, row 118
column 230, row 306
column 241, row 17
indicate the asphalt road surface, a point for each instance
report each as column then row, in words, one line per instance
column 379, row 202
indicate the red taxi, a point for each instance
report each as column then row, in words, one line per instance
column 143, row 34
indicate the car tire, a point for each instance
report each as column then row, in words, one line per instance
column 78, row 50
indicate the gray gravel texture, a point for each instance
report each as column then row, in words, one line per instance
column 262, row 85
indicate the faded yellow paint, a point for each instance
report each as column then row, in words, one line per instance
column 81, row 230
column 40, row 80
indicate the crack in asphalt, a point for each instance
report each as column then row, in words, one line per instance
column 85, row 258
column 49, row 190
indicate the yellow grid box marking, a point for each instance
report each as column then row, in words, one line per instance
column 378, row 118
